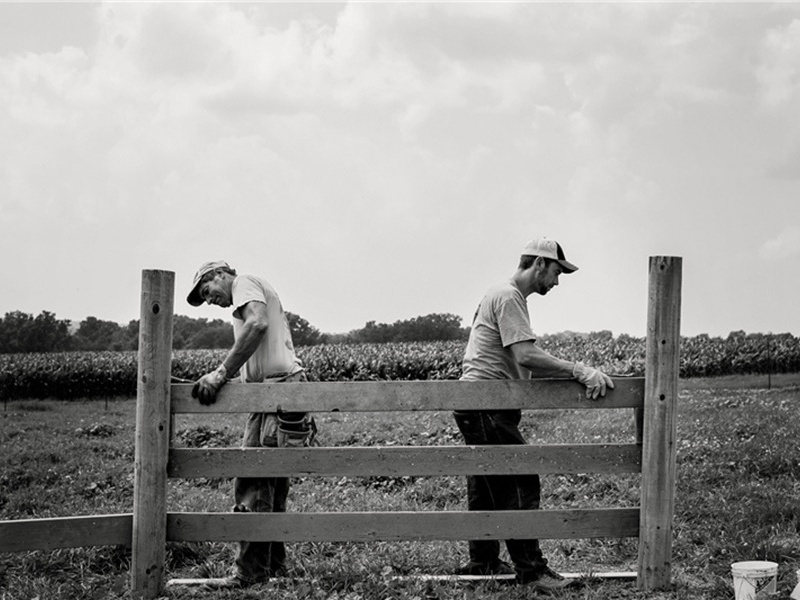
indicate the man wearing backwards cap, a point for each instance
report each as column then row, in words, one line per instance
column 502, row 346
column 263, row 351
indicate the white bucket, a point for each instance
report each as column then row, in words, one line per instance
column 796, row 591
column 755, row 579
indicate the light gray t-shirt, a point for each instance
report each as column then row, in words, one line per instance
column 500, row 320
column 275, row 356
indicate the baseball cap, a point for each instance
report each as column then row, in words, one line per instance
column 549, row 249
column 194, row 298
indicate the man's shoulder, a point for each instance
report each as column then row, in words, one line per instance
column 504, row 290
column 247, row 280
column 248, row 277
column 247, row 287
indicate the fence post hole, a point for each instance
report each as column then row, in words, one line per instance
column 660, row 408
column 152, row 435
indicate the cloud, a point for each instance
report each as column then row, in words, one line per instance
column 788, row 166
column 397, row 133
column 167, row 83
column 778, row 75
column 779, row 69
column 785, row 245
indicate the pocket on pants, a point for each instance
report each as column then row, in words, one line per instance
column 269, row 430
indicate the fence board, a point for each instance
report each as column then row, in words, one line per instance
column 402, row 525
column 374, row 396
column 405, row 460
column 65, row 532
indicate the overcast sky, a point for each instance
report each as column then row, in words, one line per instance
column 380, row 161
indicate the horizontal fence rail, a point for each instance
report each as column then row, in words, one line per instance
column 65, row 532
column 403, row 525
column 412, row 396
column 404, row 460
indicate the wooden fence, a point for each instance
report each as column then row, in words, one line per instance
column 653, row 400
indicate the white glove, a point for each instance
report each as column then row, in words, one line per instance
column 595, row 380
column 206, row 388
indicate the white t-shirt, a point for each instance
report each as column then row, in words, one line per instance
column 500, row 320
column 275, row 355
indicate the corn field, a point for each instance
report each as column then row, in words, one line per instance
column 70, row 375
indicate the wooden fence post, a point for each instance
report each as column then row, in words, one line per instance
column 660, row 412
column 152, row 435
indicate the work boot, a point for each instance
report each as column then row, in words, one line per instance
column 548, row 581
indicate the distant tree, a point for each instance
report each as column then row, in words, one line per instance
column 127, row 337
column 432, row 327
column 50, row 334
column 373, row 333
column 217, row 334
column 303, row 333
column 436, row 326
column 605, row 336
column 737, row 336
column 94, row 334
column 21, row 332
column 184, row 329
column 338, row 338
column 626, row 339
column 13, row 330
column 196, row 334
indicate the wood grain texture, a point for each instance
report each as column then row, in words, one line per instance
column 378, row 396
column 403, row 525
column 65, row 532
column 404, row 460
column 152, row 433
column 660, row 423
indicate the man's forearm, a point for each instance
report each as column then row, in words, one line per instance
column 550, row 367
column 243, row 348
column 543, row 364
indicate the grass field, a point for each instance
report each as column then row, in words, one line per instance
column 737, row 499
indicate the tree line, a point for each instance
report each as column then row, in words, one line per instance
column 430, row 328
column 21, row 332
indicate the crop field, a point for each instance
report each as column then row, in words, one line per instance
column 70, row 375
column 737, row 491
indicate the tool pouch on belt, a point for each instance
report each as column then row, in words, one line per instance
column 296, row 430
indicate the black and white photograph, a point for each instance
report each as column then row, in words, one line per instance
column 388, row 300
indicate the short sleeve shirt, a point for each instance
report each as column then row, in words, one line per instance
column 275, row 356
column 501, row 320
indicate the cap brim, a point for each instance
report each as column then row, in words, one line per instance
column 194, row 297
column 567, row 266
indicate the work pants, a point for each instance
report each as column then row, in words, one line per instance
column 261, row 560
column 501, row 492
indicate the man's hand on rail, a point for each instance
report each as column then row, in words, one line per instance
column 205, row 389
column 595, row 380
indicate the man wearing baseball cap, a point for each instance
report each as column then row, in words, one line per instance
column 262, row 351
column 502, row 346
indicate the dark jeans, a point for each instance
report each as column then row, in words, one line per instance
column 260, row 560
column 501, row 492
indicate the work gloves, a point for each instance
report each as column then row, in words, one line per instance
column 595, row 380
column 205, row 389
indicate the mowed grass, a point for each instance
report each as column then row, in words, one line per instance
column 738, row 498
